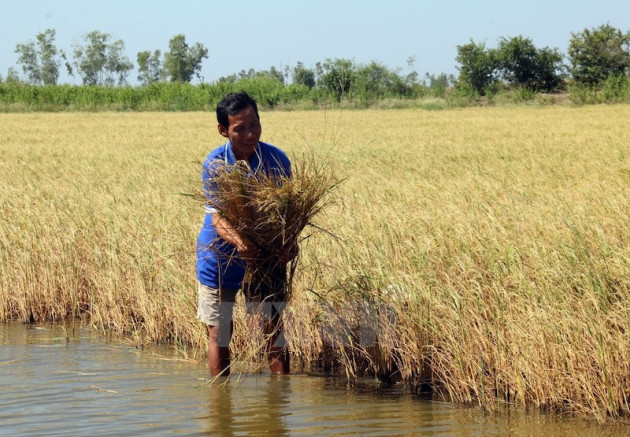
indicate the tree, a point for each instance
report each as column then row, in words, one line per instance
column 516, row 58
column 376, row 80
column 303, row 76
column 118, row 66
column 40, row 61
column 249, row 74
column 412, row 76
column 319, row 72
column 438, row 84
column 99, row 62
column 12, row 76
column 337, row 76
column 183, row 62
column 48, row 57
column 599, row 53
column 90, row 59
column 30, row 62
column 521, row 63
column 150, row 67
column 477, row 66
column 551, row 69
column 273, row 73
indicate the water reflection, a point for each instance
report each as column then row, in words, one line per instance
column 65, row 382
column 249, row 406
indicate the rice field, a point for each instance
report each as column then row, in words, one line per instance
column 485, row 251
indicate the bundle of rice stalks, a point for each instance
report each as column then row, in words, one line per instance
column 269, row 212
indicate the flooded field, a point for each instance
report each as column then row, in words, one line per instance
column 58, row 382
column 503, row 259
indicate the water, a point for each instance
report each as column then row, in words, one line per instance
column 74, row 383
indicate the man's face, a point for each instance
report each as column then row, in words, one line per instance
column 244, row 132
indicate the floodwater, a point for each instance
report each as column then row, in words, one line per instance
column 54, row 382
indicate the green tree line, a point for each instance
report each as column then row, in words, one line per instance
column 595, row 69
column 598, row 59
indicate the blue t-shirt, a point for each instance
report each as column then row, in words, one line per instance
column 218, row 263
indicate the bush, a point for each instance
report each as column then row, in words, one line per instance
column 616, row 89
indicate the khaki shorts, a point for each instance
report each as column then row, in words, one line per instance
column 214, row 305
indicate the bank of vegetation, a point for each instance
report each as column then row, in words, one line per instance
column 481, row 253
column 595, row 70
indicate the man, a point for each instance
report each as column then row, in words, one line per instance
column 221, row 252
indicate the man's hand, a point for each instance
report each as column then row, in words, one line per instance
column 247, row 251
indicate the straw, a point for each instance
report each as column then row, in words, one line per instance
column 269, row 212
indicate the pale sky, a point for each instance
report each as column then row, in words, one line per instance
column 259, row 34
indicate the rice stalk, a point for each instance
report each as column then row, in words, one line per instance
column 270, row 212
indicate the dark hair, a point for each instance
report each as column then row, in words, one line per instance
column 232, row 104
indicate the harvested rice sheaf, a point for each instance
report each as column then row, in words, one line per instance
column 269, row 211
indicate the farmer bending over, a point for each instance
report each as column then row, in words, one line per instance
column 221, row 252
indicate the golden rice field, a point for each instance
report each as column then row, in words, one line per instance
column 486, row 249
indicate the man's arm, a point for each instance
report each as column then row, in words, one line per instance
column 227, row 233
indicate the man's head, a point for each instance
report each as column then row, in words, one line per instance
column 238, row 119
column 232, row 104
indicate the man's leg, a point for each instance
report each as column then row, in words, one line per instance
column 277, row 351
column 266, row 296
column 215, row 310
column 218, row 352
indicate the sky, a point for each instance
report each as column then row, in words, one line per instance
column 259, row 34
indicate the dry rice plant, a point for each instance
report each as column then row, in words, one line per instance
column 269, row 212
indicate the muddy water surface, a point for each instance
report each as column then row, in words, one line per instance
column 55, row 382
